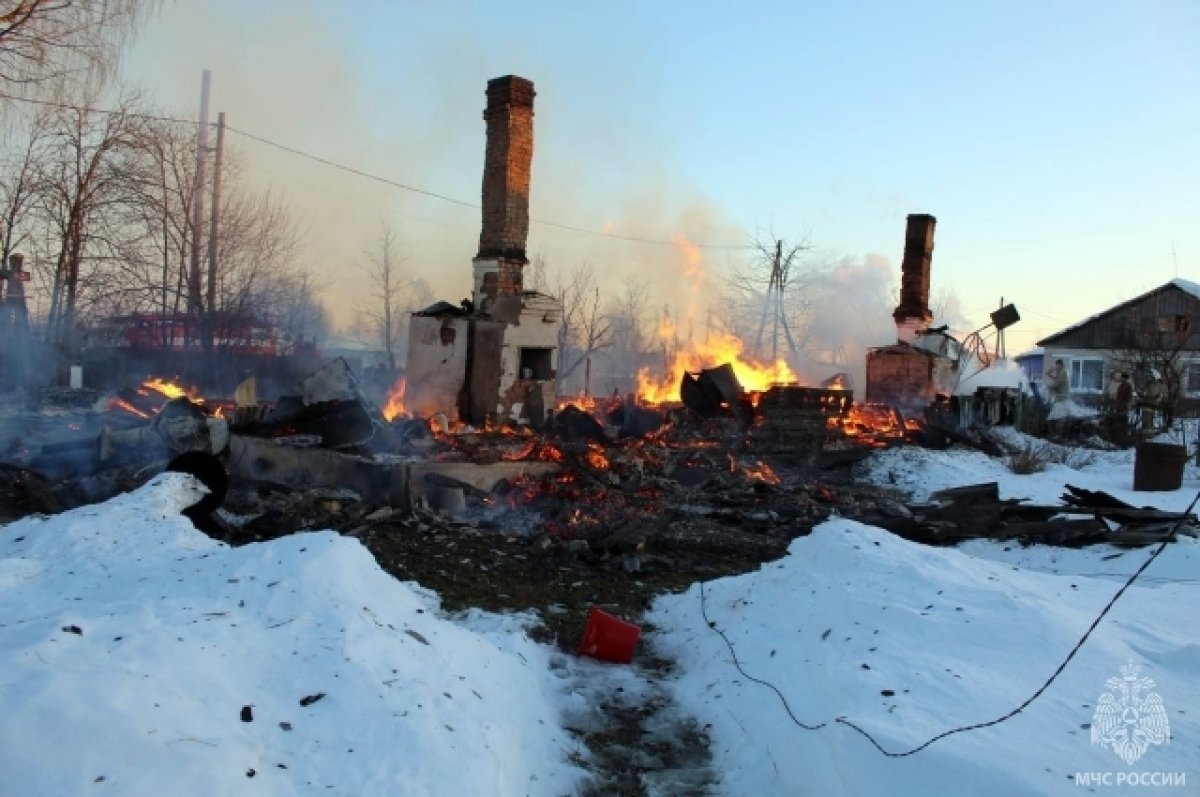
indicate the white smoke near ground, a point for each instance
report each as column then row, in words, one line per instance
column 850, row 311
column 948, row 309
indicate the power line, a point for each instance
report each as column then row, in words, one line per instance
column 350, row 169
column 370, row 176
column 106, row 111
column 463, row 203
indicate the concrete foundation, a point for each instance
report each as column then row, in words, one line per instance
column 391, row 483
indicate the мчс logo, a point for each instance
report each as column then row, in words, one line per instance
column 1129, row 717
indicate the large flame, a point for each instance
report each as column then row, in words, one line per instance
column 169, row 389
column 720, row 348
column 394, row 407
column 874, row 424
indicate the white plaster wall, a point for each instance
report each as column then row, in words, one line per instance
column 532, row 332
column 436, row 372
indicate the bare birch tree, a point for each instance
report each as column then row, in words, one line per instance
column 21, row 182
column 629, row 317
column 257, row 245
column 160, row 220
column 45, row 41
column 304, row 321
column 384, row 310
column 585, row 328
column 86, row 179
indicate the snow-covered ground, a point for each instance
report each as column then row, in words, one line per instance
column 139, row 657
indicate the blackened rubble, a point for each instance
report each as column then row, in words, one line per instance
column 585, row 513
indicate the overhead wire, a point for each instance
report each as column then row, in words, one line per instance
column 464, row 203
column 105, row 111
column 371, row 176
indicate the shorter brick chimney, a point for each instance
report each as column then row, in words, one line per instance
column 913, row 315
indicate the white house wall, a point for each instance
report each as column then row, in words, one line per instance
column 436, row 370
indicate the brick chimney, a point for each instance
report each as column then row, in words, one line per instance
column 913, row 314
column 506, row 170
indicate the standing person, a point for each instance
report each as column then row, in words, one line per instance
column 1116, row 411
column 1124, row 398
column 1151, row 400
column 1058, row 382
column 1109, row 400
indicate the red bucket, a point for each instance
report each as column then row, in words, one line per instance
column 608, row 638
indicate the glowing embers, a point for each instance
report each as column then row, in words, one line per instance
column 874, row 424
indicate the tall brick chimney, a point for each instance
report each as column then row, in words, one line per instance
column 913, row 314
column 506, row 170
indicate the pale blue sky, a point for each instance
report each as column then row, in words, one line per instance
column 1056, row 142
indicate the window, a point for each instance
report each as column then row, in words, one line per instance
column 535, row 364
column 1178, row 324
column 1087, row 376
column 1193, row 378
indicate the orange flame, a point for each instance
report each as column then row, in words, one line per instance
column 580, row 402
column 720, row 348
column 873, row 423
column 594, row 456
column 394, row 407
column 763, row 472
column 122, row 404
column 170, row 390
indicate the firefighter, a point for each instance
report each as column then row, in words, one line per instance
column 1058, row 382
column 1151, row 400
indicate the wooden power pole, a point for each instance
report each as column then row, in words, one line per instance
column 195, row 297
column 211, row 308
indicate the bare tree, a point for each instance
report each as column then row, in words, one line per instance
column 765, row 303
column 384, row 272
column 21, row 184
column 535, row 273
column 1158, row 345
column 257, row 284
column 44, row 41
column 585, row 329
column 420, row 295
column 86, row 179
column 629, row 316
column 257, row 244
column 160, row 220
column 304, row 320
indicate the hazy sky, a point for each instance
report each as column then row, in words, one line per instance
column 1056, row 142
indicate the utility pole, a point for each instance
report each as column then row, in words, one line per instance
column 195, row 298
column 211, row 309
column 773, row 304
column 777, row 299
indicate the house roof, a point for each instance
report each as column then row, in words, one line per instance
column 1187, row 286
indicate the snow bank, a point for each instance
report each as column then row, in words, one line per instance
column 140, row 657
column 908, row 641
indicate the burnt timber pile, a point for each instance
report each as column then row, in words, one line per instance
column 691, row 489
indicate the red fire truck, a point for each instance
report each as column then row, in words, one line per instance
column 243, row 334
